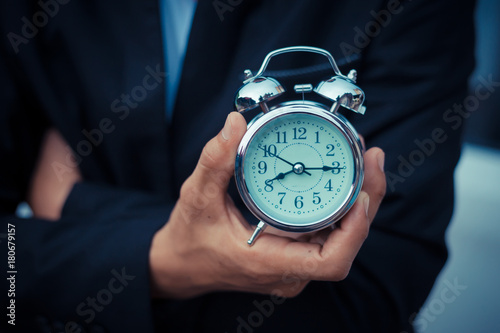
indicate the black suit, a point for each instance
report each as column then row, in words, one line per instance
column 99, row 65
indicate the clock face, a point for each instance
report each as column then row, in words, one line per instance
column 299, row 169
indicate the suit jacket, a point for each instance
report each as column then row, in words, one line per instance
column 94, row 70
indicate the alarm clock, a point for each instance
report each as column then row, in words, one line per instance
column 299, row 167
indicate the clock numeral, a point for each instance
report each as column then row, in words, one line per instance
column 298, row 202
column 330, row 152
column 316, row 198
column 282, row 194
column 336, row 168
column 269, row 186
column 262, row 167
column 317, row 137
column 269, row 151
column 328, row 185
column 302, row 133
column 281, row 135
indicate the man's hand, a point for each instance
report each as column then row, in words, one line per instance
column 203, row 246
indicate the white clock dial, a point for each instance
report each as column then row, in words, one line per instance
column 299, row 169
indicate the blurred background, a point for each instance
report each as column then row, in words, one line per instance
column 466, row 296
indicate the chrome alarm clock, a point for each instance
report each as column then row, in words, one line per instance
column 299, row 166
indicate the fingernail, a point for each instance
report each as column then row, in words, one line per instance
column 381, row 160
column 366, row 203
column 227, row 130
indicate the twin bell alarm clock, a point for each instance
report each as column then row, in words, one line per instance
column 299, row 166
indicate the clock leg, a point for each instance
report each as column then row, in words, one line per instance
column 260, row 228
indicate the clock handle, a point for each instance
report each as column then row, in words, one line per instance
column 260, row 228
column 297, row 49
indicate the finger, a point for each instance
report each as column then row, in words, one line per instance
column 216, row 164
column 343, row 243
column 311, row 260
column 375, row 182
column 329, row 255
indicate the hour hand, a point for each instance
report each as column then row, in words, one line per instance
column 280, row 175
column 336, row 169
column 324, row 168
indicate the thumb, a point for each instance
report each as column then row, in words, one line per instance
column 216, row 164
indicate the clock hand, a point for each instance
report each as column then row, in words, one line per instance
column 279, row 157
column 280, row 175
column 275, row 155
column 326, row 168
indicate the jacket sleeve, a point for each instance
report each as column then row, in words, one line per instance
column 89, row 270
column 414, row 72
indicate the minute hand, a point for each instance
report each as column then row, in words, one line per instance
column 279, row 157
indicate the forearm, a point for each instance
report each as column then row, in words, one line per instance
column 91, row 264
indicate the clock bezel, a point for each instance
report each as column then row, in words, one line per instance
column 310, row 108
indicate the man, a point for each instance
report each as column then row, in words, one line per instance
column 92, row 76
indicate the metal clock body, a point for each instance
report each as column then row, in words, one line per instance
column 299, row 166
